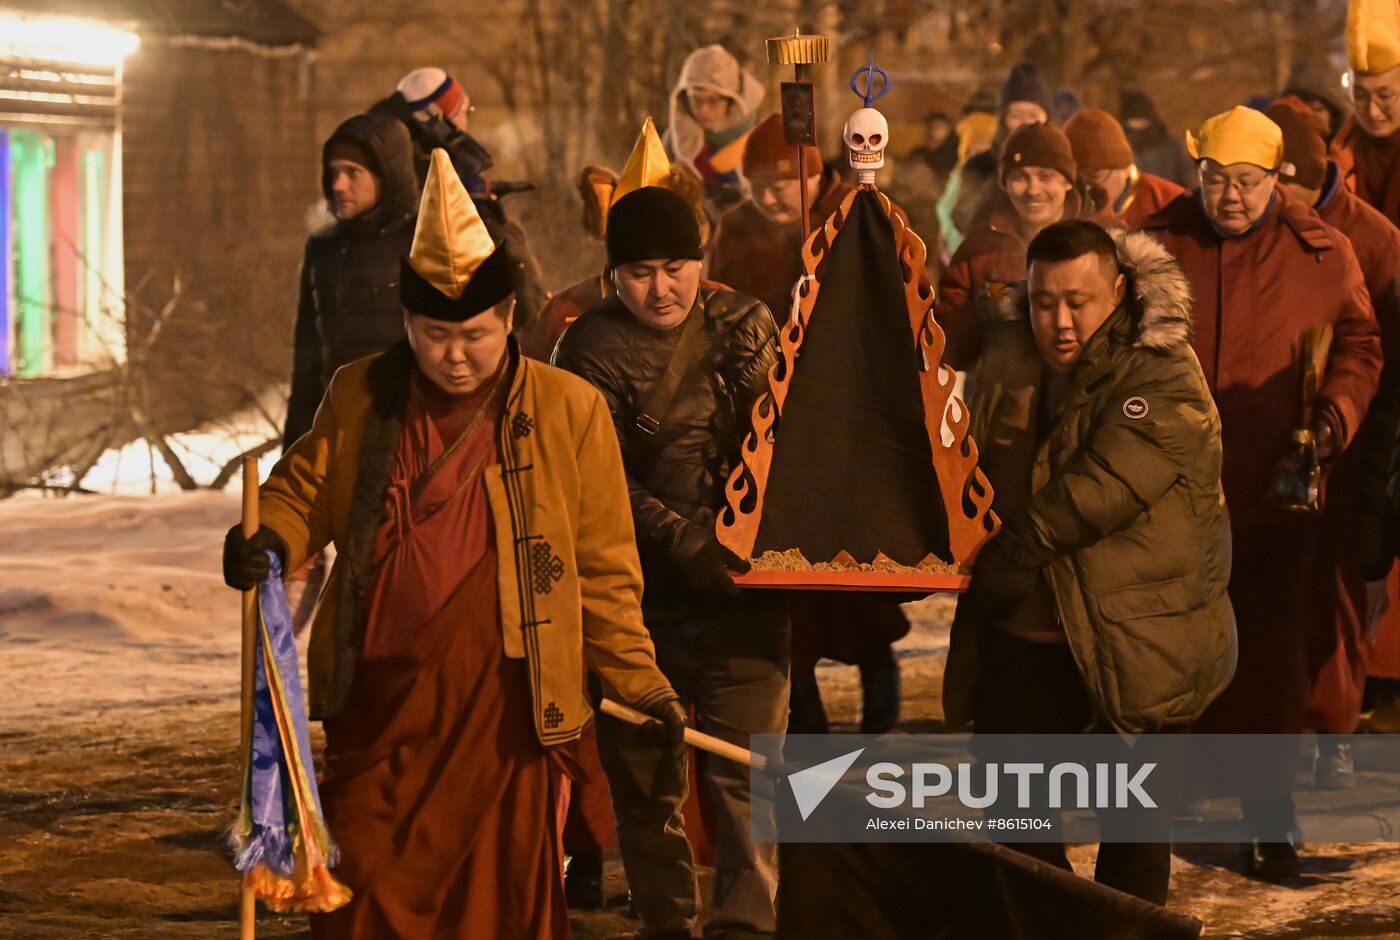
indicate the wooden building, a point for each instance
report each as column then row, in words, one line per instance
column 157, row 161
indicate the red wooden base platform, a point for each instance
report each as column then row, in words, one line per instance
column 905, row 582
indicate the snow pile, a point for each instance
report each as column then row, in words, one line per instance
column 104, row 569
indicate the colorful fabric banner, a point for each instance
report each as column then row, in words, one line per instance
column 280, row 841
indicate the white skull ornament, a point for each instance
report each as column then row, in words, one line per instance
column 867, row 134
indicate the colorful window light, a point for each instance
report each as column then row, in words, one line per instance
column 61, row 284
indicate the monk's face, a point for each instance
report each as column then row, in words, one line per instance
column 658, row 293
column 1114, row 183
column 1236, row 196
column 1377, row 100
column 780, row 200
column 1070, row 300
column 458, row 357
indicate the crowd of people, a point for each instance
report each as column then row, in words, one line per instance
column 1178, row 358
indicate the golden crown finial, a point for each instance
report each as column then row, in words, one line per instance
column 798, row 49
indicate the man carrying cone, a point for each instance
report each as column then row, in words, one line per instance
column 474, row 580
column 681, row 367
column 758, row 251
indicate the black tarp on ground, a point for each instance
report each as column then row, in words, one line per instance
column 852, row 464
column 953, row 891
column 948, row 891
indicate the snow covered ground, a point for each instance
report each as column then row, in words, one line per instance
column 118, row 743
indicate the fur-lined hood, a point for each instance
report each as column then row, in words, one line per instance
column 1158, row 291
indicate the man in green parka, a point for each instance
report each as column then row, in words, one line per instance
column 1101, row 605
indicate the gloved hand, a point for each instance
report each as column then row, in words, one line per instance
column 667, row 728
column 1007, row 571
column 245, row 559
column 707, row 570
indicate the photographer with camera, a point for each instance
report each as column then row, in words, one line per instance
column 437, row 110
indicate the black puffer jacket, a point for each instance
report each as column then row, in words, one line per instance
column 349, row 305
column 677, row 479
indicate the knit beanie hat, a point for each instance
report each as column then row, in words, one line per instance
column 1135, row 105
column 652, row 223
column 431, row 87
column 1038, row 145
column 1304, row 150
column 1317, row 78
column 1024, row 84
column 1097, row 141
column 1065, row 105
column 345, row 148
column 768, row 155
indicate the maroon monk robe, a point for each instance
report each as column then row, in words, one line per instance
column 439, row 792
column 1371, row 166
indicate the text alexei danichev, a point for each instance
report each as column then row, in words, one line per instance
column 994, row 824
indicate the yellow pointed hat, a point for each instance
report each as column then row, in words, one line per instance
column 647, row 166
column 1373, row 35
column 1240, row 135
column 454, row 270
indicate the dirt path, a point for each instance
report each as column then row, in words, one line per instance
column 118, row 675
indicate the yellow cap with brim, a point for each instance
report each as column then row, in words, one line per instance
column 1240, row 135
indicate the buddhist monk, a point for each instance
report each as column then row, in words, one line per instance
column 485, row 557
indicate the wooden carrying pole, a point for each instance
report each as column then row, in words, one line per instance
column 247, row 907
column 801, row 52
column 694, row 738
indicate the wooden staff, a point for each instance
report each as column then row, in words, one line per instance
column 694, row 738
column 801, row 52
column 248, row 906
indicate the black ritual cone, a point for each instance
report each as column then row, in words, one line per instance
column 852, row 463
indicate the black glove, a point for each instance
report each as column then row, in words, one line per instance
column 245, row 559
column 667, row 728
column 1007, row 571
column 707, row 571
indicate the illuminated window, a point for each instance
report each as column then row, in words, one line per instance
column 61, row 285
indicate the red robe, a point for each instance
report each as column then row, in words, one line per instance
column 564, row 307
column 1339, row 657
column 1255, row 295
column 1150, row 196
column 441, row 796
column 1371, row 169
